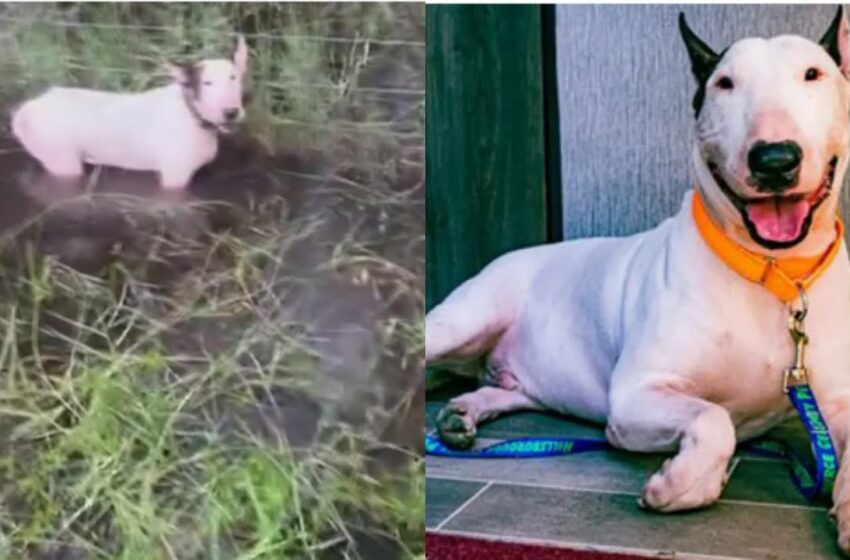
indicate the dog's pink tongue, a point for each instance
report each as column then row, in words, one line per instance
column 778, row 219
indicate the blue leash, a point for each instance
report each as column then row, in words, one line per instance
column 813, row 482
column 820, row 481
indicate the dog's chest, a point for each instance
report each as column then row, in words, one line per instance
column 206, row 147
column 742, row 361
column 742, row 370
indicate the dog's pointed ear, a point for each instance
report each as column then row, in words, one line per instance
column 703, row 58
column 239, row 56
column 182, row 73
column 837, row 42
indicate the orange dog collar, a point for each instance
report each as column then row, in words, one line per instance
column 782, row 277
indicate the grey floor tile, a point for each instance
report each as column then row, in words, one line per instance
column 443, row 497
column 727, row 529
column 538, row 424
column 608, row 471
column 763, row 481
column 791, row 433
column 752, row 480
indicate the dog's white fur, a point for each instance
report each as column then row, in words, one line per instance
column 157, row 130
column 652, row 334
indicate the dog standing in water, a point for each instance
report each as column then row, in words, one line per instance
column 677, row 338
column 172, row 130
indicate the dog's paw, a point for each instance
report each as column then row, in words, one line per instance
column 456, row 426
column 679, row 485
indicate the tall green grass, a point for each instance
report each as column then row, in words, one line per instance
column 132, row 432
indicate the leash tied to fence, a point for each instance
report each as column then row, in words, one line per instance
column 787, row 279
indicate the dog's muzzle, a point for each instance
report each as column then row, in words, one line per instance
column 778, row 220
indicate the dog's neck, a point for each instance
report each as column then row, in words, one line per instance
column 723, row 213
column 786, row 278
column 205, row 125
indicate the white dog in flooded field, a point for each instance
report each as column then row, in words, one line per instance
column 658, row 335
column 171, row 130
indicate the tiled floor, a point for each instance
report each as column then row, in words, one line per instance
column 589, row 501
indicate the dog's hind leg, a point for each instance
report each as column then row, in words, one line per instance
column 56, row 156
column 457, row 421
column 460, row 329
column 175, row 177
column 466, row 327
column 62, row 165
column 59, row 161
column 470, row 321
column 659, row 418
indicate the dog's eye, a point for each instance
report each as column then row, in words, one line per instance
column 232, row 78
column 812, row 74
column 725, row 83
column 207, row 83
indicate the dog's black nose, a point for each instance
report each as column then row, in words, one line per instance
column 775, row 166
column 231, row 114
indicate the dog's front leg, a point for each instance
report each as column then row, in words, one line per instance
column 658, row 417
column 175, row 177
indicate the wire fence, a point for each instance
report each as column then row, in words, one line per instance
column 340, row 87
column 174, row 29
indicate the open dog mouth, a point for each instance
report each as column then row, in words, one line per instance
column 779, row 221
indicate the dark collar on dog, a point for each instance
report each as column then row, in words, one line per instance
column 204, row 123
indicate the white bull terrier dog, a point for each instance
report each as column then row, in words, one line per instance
column 678, row 338
column 171, row 130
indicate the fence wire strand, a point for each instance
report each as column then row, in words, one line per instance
column 283, row 85
column 268, row 36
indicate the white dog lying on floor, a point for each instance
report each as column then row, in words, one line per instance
column 677, row 338
column 171, row 130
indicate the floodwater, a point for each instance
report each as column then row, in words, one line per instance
column 85, row 224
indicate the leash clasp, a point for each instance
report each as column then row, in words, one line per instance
column 798, row 374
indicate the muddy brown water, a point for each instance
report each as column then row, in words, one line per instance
column 79, row 224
